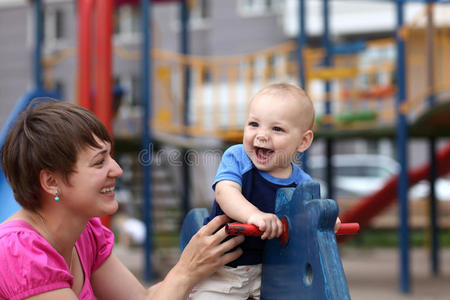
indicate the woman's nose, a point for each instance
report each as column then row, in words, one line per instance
column 116, row 170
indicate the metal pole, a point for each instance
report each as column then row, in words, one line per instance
column 327, row 62
column 184, row 17
column 103, row 57
column 434, row 229
column 84, row 52
column 302, row 42
column 185, row 50
column 402, row 136
column 327, row 45
column 146, row 96
column 37, row 57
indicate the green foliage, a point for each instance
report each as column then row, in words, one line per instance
column 350, row 117
column 388, row 238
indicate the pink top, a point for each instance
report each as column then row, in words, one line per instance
column 29, row 265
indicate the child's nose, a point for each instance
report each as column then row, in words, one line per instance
column 261, row 136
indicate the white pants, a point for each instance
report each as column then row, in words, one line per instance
column 242, row 282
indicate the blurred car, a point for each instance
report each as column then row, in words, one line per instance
column 358, row 175
column 422, row 189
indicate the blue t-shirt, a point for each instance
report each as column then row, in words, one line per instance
column 258, row 187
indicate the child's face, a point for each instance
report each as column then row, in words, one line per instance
column 273, row 133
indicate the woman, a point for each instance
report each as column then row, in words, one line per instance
column 57, row 159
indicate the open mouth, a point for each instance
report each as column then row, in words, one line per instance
column 263, row 154
column 107, row 190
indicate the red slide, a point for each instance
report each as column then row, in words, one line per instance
column 370, row 206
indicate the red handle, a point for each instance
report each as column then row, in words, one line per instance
column 348, row 228
column 242, row 229
column 252, row 230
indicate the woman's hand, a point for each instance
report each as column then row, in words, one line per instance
column 204, row 254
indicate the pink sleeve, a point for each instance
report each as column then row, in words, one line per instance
column 103, row 239
column 30, row 265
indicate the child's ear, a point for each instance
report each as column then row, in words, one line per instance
column 306, row 141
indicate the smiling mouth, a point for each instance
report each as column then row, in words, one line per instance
column 107, row 190
column 263, row 154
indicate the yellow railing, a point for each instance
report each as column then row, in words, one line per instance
column 220, row 88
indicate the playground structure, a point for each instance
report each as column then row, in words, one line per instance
column 370, row 89
column 361, row 76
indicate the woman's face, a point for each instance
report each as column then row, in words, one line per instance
column 90, row 190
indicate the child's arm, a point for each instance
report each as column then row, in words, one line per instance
column 230, row 199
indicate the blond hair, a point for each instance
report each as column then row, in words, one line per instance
column 290, row 90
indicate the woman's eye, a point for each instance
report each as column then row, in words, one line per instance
column 276, row 128
column 253, row 124
column 100, row 162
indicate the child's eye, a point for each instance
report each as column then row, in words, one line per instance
column 279, row 129
column 253, row 124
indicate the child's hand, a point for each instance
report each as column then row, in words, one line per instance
column 337, row 225
column 268, row 223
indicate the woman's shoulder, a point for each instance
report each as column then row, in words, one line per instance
column 29, row 263
column 96, row 231
column 10, row 230
column 18, row 239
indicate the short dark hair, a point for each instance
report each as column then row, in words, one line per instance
column 48, row 135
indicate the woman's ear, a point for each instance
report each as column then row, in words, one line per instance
column 49, row 182
column 306, row 141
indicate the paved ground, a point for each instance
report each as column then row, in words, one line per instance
column 371, row 274
column 374, row 275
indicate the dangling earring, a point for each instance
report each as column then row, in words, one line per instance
column 57, row 196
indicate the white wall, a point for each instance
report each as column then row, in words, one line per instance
column 348, row 17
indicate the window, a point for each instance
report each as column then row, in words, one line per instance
column 260, row 7
column 59, row 24
column 127, row 26
column 200, row 11
column 55, row 31
column 199, row 14
column 54, row 25
column 131, row 87
column 135, row 90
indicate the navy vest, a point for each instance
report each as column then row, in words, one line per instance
column 259, row 188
